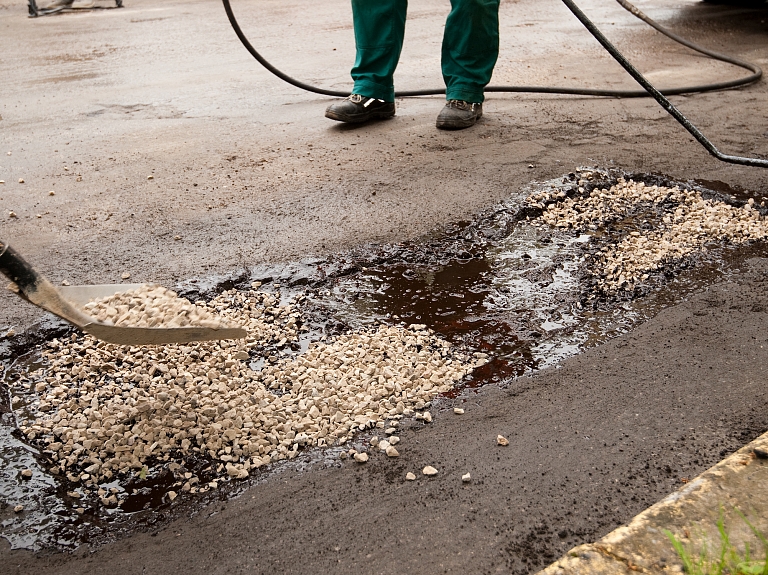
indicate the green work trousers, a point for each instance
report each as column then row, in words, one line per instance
column 470, row 47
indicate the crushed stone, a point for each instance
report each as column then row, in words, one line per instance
column 108, row 411
column 685, row 224
column 152, row 306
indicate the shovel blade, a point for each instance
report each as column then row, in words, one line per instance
column 67, row 302
column 136, row 336
column 81, row 295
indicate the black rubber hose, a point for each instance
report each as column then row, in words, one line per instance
column 649, row 89
column 754, row 77
column 658, row 96
column 757, row 72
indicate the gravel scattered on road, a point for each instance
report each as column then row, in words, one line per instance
column 109, row 411
column 682, row 222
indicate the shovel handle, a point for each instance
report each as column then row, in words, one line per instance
column 36, row 289
column 17, row 270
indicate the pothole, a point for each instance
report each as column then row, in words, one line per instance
column 119, row 439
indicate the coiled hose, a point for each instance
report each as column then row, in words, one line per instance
column 648, row 88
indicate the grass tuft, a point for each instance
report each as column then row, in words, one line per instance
column 726, row 560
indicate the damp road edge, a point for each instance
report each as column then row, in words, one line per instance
column 691, row 513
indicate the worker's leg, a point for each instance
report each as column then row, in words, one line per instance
column 470, row 48
column 379, row 30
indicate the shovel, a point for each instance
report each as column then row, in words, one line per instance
column 67, row 301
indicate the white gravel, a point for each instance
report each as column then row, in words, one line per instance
column 107, row 410
column 152, row 306
column 689, row 223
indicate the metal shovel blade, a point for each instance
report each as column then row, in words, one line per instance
column 81, row 295
column 67, row 304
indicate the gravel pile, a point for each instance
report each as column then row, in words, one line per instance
column 108, row 411
column 684, row 223
column 152, row 306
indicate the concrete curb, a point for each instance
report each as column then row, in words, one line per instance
column 740, row 481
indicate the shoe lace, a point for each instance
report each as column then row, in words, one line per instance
column 461, row 105
column 355, row 98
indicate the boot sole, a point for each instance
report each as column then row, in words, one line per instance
column 455, row 124
column 358, row 119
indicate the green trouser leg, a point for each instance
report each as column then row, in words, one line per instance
column 379, row 30
column 470, row 48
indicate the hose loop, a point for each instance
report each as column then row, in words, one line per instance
column 648, row 89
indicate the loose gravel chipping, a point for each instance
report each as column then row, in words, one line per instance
column 687, row 223
column 152, row 306
column 108, row 411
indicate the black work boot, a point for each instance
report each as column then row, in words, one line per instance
column 458, row 114
column 357, row 108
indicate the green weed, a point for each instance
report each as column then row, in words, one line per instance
column 726, row 560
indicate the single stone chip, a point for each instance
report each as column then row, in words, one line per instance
column 392, row 452
column 361, row 457
column 501, row 440
column 466, row 478
column 429, row 471
column 458, row 411
column 410, row 476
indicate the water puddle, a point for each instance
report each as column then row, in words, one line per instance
column 497, row 285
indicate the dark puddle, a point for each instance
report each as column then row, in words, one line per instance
column 495, row 284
